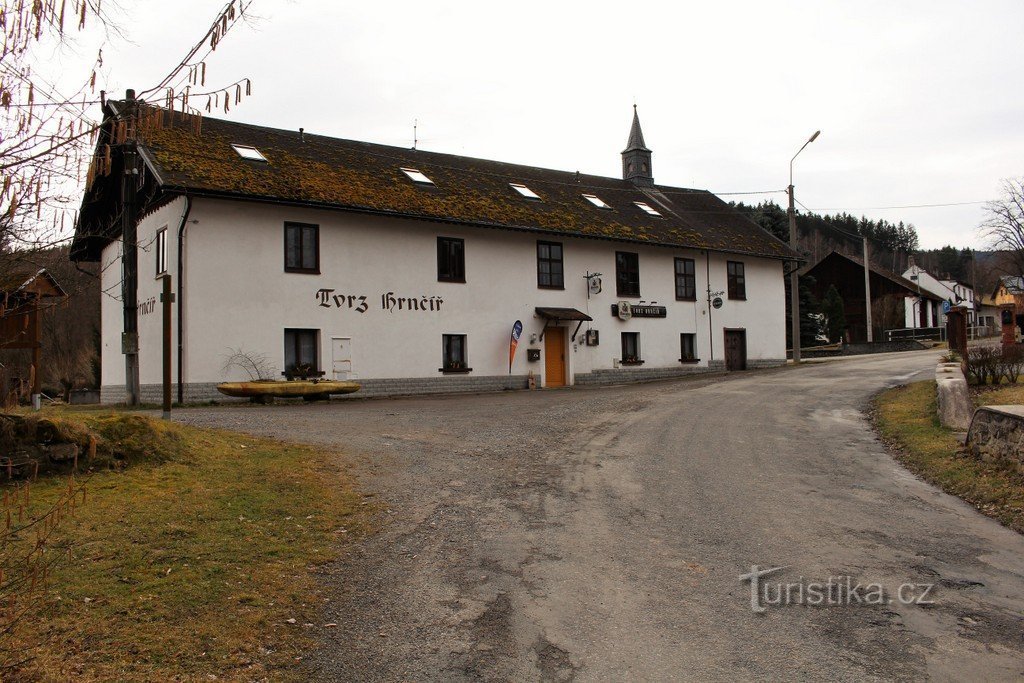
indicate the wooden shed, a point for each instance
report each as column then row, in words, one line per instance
column 22, row 295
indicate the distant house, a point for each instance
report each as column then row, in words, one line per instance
column 1010, row 290
column 988, row 314
column 889, row 293
column 922, row 311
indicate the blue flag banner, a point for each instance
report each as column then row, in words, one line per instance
column 517, row 330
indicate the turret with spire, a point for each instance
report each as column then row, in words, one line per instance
column 636, row 158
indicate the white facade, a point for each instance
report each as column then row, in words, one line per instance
column 952, row 291
column 237, row 295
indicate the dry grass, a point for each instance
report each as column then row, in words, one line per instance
column 906, row 419
column 1006, row 394
column 192, row 567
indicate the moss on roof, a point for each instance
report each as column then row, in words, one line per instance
column 364, row 176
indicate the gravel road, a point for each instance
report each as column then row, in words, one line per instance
column 599, row 534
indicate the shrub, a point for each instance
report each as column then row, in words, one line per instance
column 1011, row 363
column 983, row 364
column 992, row 364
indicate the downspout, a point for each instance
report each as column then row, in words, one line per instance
column 711, row 329
column 180, row 299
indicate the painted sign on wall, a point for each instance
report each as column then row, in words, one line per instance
column 360, row 303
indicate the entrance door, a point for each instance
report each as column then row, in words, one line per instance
column 341, row 356
column 735, row 349
column 554, row 357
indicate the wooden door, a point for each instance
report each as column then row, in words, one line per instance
column 735, row 350
column 554, row 358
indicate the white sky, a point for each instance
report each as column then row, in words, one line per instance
column 918, row 102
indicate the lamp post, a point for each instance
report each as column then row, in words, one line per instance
column 794, row 283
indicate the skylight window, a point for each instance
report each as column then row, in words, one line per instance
column 417, row 176
column 648, row 208
column 596, row 201
column 524, row 190
column 250, row 153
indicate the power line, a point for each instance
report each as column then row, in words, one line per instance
column 906, row 206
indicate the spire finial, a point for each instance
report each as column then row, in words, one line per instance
column 636, row 158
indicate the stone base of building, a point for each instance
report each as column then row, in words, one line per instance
column 207, row 391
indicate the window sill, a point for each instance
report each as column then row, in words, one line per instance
column 618, row 295
column 689, row 360
column 455, row 371
column 458, row 282
column 692, row 299
column 631, row 362
column 555, row 287
column 304, row 271
column 737, row 298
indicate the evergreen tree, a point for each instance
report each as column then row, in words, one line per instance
column 809, row 309
column 834, row 310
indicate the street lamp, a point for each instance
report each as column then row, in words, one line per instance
column 794, row 284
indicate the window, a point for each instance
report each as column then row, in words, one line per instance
column 453, row 353
column 686, row 281
column 249, row 153
column 596, row 201
column 300, row 358
column 648, row 209
column 451, row 259
column 417, row 176
column 524, row 190
column 687, row 347
column 161, row 251
column 549, row 265
column 301, row 248
column 627, row 273
column 737, row 280
column 631, row 348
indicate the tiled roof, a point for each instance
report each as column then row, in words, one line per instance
column 909, row 285
column 1014, row 283
column 363, row 176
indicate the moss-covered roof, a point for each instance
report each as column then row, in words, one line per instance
column 364, row 176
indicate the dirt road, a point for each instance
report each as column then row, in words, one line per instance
column 600, row 534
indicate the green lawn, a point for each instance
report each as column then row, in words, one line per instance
column 193, row 566
column 906, row 419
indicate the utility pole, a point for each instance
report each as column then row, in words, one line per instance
column 130, row 253
column 794, row 279
column 867, row 290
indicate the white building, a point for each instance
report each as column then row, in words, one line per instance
column 406, row 269
column 922, row 311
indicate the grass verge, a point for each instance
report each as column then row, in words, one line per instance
column 193, row 567
column 1006, row 394
column 906, row 419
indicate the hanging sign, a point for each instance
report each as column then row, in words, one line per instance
column 717, row 302
column 517, row 329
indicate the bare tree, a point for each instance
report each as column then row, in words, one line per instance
column 47, row 135
column 1004, row 224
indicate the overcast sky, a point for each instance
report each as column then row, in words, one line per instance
column 918, row 102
